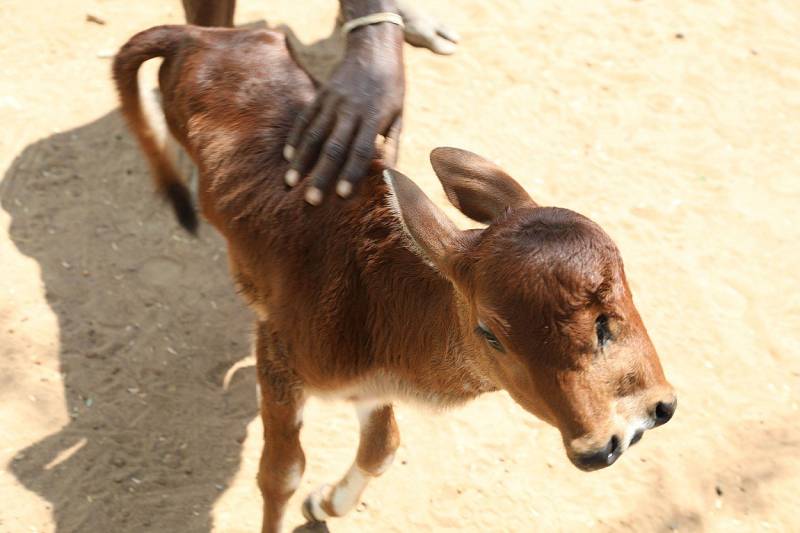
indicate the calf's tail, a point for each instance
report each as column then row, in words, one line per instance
column 160, row 41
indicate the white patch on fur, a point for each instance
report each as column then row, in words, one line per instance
column 383, row 387
column 348, row 491
column 633, row 426
column 364, row 410
column 293, row 477
column 629, row 426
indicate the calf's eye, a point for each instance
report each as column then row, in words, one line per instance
column 602, row 330
column 490, row 338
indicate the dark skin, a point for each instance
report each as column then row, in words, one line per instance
column 333, row 140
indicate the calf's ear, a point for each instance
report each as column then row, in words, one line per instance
column 432, row 233
column 476, row 186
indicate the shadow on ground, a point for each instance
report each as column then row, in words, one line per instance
column 148, row 327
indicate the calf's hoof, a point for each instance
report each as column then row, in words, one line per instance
column 312, row 505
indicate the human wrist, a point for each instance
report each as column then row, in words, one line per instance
column 372, row 35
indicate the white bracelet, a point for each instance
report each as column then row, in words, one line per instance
column 375, row 18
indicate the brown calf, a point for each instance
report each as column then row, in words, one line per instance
column 380, row 298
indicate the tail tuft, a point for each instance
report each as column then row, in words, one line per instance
column 181, row 200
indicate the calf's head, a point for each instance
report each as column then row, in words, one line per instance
column 544, row 306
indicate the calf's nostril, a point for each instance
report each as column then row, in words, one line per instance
column 603, row 457
column 613, row 449
column 664, row 412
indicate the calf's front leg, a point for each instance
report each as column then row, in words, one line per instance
column 379, row 439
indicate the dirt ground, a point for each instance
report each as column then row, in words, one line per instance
column 127, row 399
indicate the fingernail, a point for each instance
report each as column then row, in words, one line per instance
column 288, row 152
column 313, row 196
column 445, row 48
column 344, row 188
column 292, row 177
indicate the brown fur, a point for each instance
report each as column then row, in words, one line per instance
column 377, row 298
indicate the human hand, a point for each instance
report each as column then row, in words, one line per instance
column 424, row 31
column 333, row 139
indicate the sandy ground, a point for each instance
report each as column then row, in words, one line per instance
column 675, row 125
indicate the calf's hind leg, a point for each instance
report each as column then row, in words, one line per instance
column 282, row 459
column 379, row 439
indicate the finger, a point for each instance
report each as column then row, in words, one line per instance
column 331, row 158
column 448, row 33
column 313, row 137
column 415, row 37
column 361, row 153
column 391, row 144
column 302, row 121
column 442, row 46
